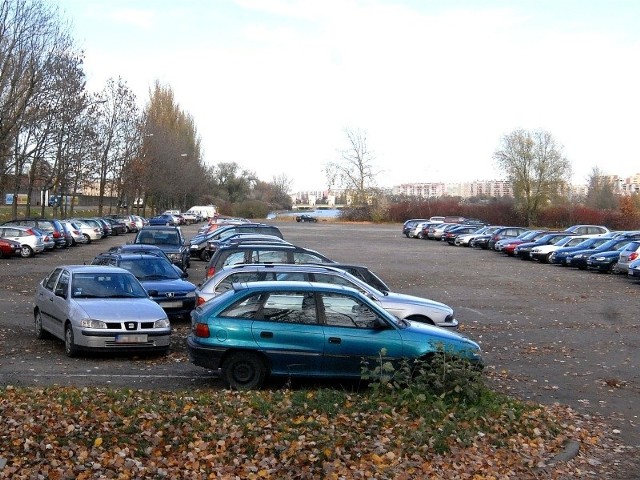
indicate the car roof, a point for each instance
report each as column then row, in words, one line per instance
column 93, row 268
column 293, row 286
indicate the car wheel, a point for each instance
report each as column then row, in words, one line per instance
column 547, row 258
column 613, row 268
column 40, row 332
column 70, row 348
column 244, row 371
column 205, row 255
column 87, row 237
column 26, row 251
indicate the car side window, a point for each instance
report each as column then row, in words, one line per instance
column 53, row 278
column 62, row 287
column 346, row 311
column 227, row 282
column 234, row 258
column 333, row 279
column 304, row 257
column 291, row 276
column 248, row 308
column 269, row 256
column 291, row 307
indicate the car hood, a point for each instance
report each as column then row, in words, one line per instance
column 606, row 254
column 401, row 301
column 121, row 309
column 416, row 332
column 168, row 285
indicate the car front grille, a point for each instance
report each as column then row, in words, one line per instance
column 124, row 326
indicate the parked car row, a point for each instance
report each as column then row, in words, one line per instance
column 580, row 246
column 265, row 308
column 37, row 235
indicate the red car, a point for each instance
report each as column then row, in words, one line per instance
column 508, row 245
column 9, row 248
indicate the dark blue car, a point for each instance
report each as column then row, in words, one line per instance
column 560, row 256
column 159, row 277
column 578, row 259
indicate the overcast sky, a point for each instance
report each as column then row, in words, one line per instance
column 273, row 84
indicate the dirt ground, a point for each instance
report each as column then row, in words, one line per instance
column 549, row 334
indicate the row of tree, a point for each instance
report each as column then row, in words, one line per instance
column 57, row 137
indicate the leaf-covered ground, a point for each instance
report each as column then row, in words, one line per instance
column 94, row 433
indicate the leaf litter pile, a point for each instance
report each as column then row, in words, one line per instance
column 91, row 433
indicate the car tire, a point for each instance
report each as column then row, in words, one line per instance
column 613, row 268
column 244, row 371
column 205, row 256
column 87, row 237
column 70, row 348
column 26, row 251
column 40, row 332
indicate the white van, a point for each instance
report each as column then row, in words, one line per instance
column 204, row 211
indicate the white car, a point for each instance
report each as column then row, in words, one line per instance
column 31, row 241
column 543, row 253
column 89, row 231
column 74, row 231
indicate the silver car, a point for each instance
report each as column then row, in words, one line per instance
column 32, row 241
column 402, row 306
column 101, row 309
column 627, row 255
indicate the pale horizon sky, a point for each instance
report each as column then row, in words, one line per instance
column 273, row 84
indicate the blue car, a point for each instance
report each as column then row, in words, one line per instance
column 578, row 259
column 304, row 329
column 560, row 255
column 604, row 261
column 163, row 281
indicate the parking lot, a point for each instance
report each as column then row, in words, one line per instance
column 549, row 334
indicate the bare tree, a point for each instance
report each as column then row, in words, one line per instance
column 31, row 38
column 534, row 163
column 117, row 136
column 600, row 191
column 355, row 171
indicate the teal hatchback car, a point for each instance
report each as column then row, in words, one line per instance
column 304, row 329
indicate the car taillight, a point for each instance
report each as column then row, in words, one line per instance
column 633, row 256
column 56, row 234
column 30, row 232
column 211, row 271
column 201, row 330
column 200, row 301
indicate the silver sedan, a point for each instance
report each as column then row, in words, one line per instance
column 99, row 308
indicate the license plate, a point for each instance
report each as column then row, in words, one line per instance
column 131, row 338
column 171, row 304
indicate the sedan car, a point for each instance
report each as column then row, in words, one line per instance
column 162, row 280
column 545, row 253
column 402, row 306
column 579, row 258
column 627, row 255
column 634, row 270
column 9, row 248
column 303, row 329
column 97, row 308
column 604, row 261
column 550, row 238
column 306, row 218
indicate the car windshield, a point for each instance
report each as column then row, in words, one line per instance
column 106, row 285
column 150, row 268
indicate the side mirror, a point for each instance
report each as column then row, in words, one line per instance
column 153, row 293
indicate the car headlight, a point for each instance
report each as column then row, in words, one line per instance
column 164, row 323
column 599, row 259
column 174, row 256
column 89, row 323
column 191, row 294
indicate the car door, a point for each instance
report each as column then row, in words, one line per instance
column 355, row 336
column 52, row 300
column 286, row 328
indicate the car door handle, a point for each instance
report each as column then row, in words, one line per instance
column 335, row 340
column 266, row 334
